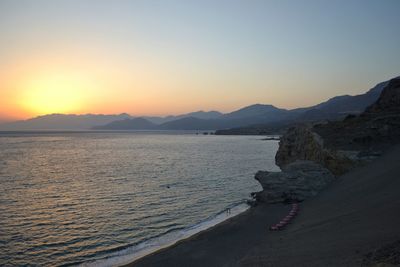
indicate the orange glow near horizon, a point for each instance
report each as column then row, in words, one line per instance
column 54, row 93
column 81, row 84
column 175, row 57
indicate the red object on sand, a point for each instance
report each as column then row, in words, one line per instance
column 281, row 225
column 286, row 220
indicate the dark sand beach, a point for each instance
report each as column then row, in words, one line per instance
column 357, row 214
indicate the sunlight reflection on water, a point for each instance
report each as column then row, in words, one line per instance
column 68, row 198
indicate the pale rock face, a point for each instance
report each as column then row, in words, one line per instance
column 301, row 143
column 309, row 162
column 307, row 167
column 298, row 181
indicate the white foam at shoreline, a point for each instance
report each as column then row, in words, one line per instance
column 136, row 252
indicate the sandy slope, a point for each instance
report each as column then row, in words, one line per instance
column 358, row 213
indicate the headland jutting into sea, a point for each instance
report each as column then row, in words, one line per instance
column 344, row 174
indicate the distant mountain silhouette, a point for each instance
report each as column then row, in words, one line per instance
column 248, row 115
column 190, row 123
column 335, row 108
column 94, row 121
column 128, row 124
column 255, row 110
column 315, row 114
column 63, row 122
column 339, row 106
column 253, row 115
column 376, row 129
column 206, row 115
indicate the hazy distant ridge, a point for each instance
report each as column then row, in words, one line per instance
column 63, row 122
column 197, row 114
column 257, row 114
column 128, row 124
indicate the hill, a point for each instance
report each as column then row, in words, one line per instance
column 63, row 122
column 206, row 115
column 347, row 104
column 250, row 119
column 190, row 123
column 352, row 222
column 336, row 108
column 375, row 129
column 128, row 124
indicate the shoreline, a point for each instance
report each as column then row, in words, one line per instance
column 275, row 212
column 169, row 239
column 186, row 239
column 354, row 216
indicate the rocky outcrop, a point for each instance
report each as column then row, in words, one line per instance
column 301, row 143
column 307, row 167
column 310, row 156
column 297, row 181
column 375, row 130
column 341, row 145
column 389, row 100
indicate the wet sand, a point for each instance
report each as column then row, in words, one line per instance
column 357, row 214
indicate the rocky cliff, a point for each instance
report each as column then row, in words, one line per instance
column 310, row 156
column 307, row 167
column 297, row 181
column 302, row 143
column 375, row 130
column 389, row 100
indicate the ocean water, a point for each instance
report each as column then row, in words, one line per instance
column 103, row 199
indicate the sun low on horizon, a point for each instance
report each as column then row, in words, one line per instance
column 199, row 132
column 53, row 93
column 177, row 57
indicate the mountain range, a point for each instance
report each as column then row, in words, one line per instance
column 257, row 114
column 62, row 122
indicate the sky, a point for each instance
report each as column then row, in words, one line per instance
column 159, row 57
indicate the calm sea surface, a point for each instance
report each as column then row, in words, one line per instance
column 98, row 198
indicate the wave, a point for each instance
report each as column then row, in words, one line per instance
column 168, row 239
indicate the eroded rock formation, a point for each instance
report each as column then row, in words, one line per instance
column 301, row 143
column 310, row 156
column 375, row 130
column 297, row 181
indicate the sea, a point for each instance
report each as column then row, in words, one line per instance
column 108, row 198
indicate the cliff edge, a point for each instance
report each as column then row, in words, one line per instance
column 311, row 155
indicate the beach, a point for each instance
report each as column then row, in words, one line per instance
column 356, row 215
column 111, row 210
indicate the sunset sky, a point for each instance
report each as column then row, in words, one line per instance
column 168, row 57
